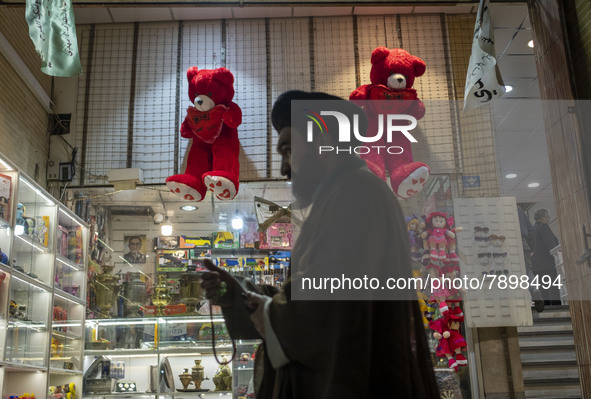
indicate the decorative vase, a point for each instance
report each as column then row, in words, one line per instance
column 186, row 378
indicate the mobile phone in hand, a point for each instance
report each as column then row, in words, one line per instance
column 249, row 305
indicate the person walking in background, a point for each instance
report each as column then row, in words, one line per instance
column 543, row 260
column 528, row 241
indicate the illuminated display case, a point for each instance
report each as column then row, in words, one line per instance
column 42, row 290
column 153, row 356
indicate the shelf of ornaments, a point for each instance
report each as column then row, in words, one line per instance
column 224, row 251
column 123, row 395
column 57, row 370
column 38, row 326
column 24, row 242
column 187, row 350
column 175, row 319
column 70, row 263
column 66, row 334
column 5, row 268
column 21, row 367
column 69, row 297
column 25, row 278
column 161, row 395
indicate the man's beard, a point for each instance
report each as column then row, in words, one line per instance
column 304, row 187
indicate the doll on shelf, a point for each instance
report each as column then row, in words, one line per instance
column 450, row 341
column 455, row 341
column 436, row 234
column 412, row 225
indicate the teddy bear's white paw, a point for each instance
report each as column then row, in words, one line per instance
column 221, row 187
column 413, row 183
column 184, row 191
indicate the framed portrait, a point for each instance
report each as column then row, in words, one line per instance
column 135, row 249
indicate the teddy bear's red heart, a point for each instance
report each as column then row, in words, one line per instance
column 393, row 101
column 206, row 125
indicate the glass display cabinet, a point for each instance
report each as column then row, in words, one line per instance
column 166, row 357
column 42, row 289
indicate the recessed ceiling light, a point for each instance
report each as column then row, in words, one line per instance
column 510, row 176
column 508, row 88
column 533, row 185
column 188, row 208
column 530, row 44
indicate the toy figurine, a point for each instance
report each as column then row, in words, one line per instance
column 20, row 218
column 223, row 376
column 437, row 234
column 412, row 225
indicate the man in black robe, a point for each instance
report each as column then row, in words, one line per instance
column 367, row 346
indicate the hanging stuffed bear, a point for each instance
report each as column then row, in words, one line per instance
column 392, row 75
column 212, row 123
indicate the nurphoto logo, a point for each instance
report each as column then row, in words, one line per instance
column 386, row 125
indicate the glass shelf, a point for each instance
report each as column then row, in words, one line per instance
column 68, row 297
column 24, row 278
column 69, row 263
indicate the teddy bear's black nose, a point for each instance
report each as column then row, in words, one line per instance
column 399, row 79
column 200, row 102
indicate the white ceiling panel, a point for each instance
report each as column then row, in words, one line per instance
column 381, row 10
column 516, row 122
column 533, row 90
column 197, row 13
column 92, row 15
column 522, row 88
column 507, row 16
column 136, row 14
column 262, row 12
column 518, row 66
column 321, row 11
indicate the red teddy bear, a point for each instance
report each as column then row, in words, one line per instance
column 212, row 123
column 392, row 75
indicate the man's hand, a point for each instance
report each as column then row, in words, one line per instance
column 257, row 317
column 212, row 284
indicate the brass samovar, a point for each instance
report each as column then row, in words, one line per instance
column 135, row 294
column 106, row 289
column 161, row 298
column 191, row 292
